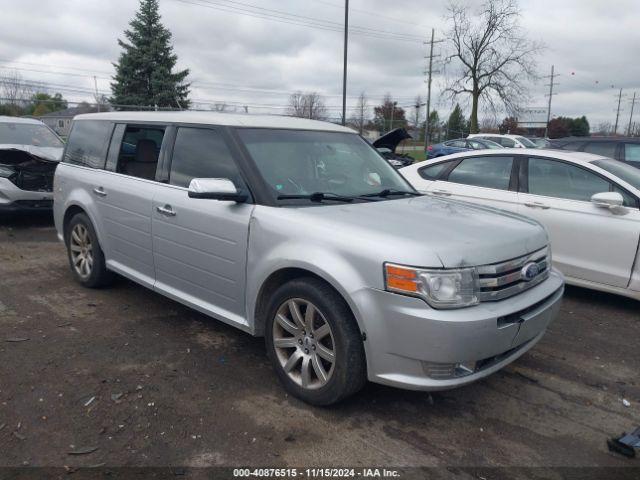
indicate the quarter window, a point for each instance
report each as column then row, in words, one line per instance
column 88, row 143
column 432, row 172
column 562, row 180
column 202, row 153
column 488, row 172
column 606, row 149
column 632, row 152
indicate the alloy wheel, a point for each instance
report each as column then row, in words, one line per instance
column 81, row 250
column 304, row 343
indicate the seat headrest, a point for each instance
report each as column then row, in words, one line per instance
column 146, row 151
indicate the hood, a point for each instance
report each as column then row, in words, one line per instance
column 52, row 154
column 392, row 139
column 427, row 231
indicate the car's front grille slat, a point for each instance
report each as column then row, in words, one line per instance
column 503, row 280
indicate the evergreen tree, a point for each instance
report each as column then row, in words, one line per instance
column 144, row 72
column 457, row 125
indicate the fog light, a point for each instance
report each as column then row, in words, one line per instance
column 446, row 371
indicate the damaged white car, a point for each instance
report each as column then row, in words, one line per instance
column 29, row 154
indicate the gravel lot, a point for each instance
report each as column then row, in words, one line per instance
column 148, row 382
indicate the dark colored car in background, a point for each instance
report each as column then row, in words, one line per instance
column 625, row 149
column 387, row 144
column 459, row 145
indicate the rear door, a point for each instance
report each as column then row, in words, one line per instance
column 588, row 242
column 200, row 245
column 124, row 194
column 486, row 180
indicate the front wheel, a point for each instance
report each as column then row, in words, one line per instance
column 314, row 342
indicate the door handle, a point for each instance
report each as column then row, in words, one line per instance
column 537, row 205
column 100, row 192
column 166, row 210
column 442, row 192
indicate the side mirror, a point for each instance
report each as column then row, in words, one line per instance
column 610, row 200
column 215, row 189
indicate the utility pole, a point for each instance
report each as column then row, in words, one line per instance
column 633, row 103
column 344, row 67
column 551, row 94
column 430, row 72
column 95, row 84
column 615, row 129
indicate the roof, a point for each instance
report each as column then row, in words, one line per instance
column 568, row 155
column 31, row 121
column 69, row 112
column 215, row 118
column 501, row 135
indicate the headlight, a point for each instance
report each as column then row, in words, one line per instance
column 455, row 288
column 6, row 172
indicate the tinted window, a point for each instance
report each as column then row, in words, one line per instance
column 562, row 180
column 507, row 142
column 140, row 150
column 456, row 143
column 632, row 152
column 606, row 149
column 432, row 172
column 88, row 143
column 202, row 153
column 489, row 172
column 526, row 142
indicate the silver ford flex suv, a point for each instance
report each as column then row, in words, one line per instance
column 299, row 231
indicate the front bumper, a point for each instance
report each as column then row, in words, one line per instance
column 14, row 199
column 413, row 346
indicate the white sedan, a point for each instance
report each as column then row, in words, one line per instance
column 589, row 204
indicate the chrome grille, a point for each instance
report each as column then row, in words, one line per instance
column 503, row 280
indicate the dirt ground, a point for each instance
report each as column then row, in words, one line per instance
column 147, row 382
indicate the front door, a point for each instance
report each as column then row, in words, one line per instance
column 588, row 242
column 483, row 180
column 200, row 245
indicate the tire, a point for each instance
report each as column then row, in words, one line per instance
column 293, row 344
column 86, row 258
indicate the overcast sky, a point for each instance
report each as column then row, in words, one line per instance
column 241, row 59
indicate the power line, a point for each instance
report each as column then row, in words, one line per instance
column 365, row 12
column 313, row 23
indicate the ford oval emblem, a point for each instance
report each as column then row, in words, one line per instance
column 530, row 271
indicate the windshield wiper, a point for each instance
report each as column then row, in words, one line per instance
column 388, row 192
column 317, row 197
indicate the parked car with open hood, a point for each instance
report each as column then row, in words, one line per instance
column 589, row 204
column 29, row 154
column 460, row 145
column 387, row 145
column 298, row 231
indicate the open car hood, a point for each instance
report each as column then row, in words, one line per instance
column 392, row 139
column 47, row 154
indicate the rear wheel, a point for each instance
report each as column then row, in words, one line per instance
column 314, row 342
column 86, row 258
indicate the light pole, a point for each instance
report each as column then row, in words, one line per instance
column 344, row 66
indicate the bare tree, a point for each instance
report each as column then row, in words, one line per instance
column 15, row 92
column 492, row 57
column 361, row 114
column 307, row 105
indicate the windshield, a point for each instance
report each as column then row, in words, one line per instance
column 491, row 145
column 28, row 134
column 526, row 142
column 625, row 172
column 301, row 162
